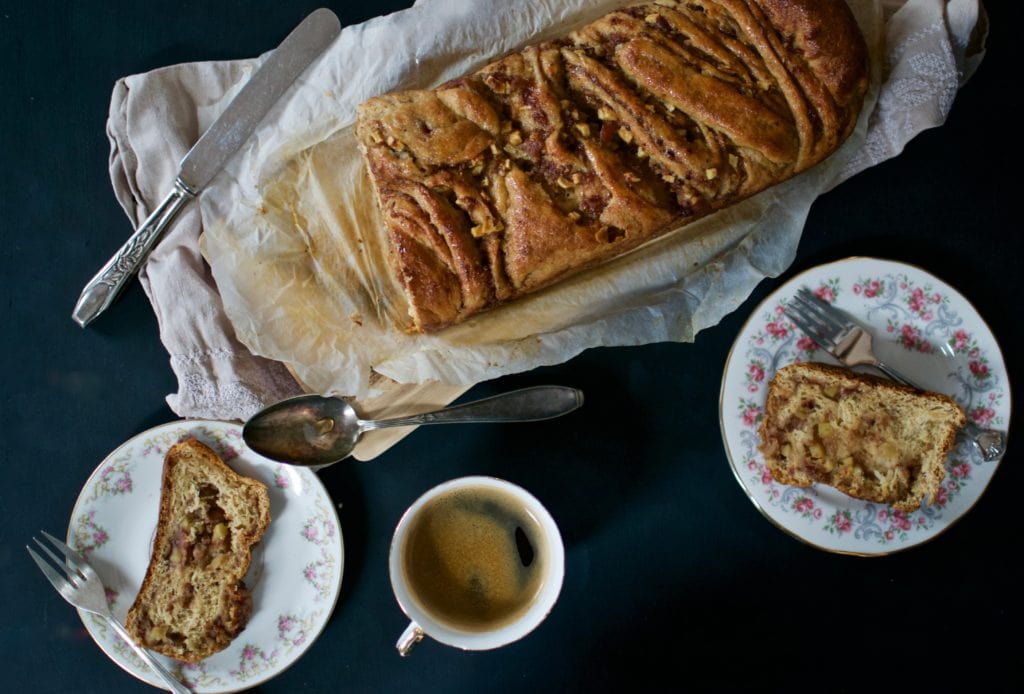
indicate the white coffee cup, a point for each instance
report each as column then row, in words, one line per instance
column 550, row 554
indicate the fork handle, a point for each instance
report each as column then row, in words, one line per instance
column 894, row 374
column 991, row 443
column 155, row 665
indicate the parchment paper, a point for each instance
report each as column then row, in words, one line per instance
column 298, row 253
column 284, row 306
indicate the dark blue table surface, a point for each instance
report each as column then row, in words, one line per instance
column 673, row 577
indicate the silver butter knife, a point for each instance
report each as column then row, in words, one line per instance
column 210, row 153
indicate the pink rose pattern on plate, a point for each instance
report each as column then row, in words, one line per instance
column 920, row 319
column 252, row 661
column 280, row 479
column 119, row 645
column 114, row 479
column 88, row 535
column 293, row 630
column 195, row 675
column 320, row 530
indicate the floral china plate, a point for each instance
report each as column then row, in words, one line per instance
column 922, row 327
column 295, row 575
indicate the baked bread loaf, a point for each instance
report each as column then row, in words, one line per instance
column 866, row 436
column 571, row 152
column 193, row 602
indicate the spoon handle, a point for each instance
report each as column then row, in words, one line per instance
column 525, row 405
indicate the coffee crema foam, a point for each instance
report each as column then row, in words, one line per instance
column 473, row 558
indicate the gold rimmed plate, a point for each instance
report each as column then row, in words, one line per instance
column 295, row 576
column 924, row 328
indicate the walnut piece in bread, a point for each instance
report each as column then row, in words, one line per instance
column 569, row 153
column 193, row 602
column 866, row 436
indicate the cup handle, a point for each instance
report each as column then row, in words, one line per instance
column 409, row 638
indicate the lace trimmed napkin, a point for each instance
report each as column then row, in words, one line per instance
column 931, row 49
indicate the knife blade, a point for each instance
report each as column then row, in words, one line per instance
column 210, row 154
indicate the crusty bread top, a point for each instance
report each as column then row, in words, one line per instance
column 193, row 602
column 568, row 153
column 867, row 436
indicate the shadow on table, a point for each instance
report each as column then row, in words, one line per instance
column 582, row 466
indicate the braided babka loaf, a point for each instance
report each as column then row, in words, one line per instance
column 568, row 153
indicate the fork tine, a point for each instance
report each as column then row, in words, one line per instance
column 69, row 568
column 88, row 595
column 821, row 308
column 58, row 581
column 73, row 558
column 808, row 324
column 802, row 325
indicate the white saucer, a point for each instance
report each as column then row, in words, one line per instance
column 922, row 327
column 295, row 576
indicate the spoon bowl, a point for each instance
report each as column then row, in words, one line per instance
column 311, row 428
column 317, row 430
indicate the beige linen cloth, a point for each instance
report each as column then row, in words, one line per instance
column 931, row 48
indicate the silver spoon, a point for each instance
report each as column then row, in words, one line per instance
column 314, row 430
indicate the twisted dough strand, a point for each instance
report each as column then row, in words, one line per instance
column 571, row 152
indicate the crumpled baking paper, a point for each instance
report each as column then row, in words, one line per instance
column 283, row 224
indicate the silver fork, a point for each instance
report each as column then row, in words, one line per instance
column 81, row 586
column 849, row 342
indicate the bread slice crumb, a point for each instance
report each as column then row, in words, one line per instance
column 868, row 437
column 193, row 601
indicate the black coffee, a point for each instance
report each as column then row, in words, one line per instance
column 473, row 560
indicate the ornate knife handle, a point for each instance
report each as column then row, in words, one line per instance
column 102, row 289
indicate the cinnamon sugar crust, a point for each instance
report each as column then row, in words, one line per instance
column 569, row 153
